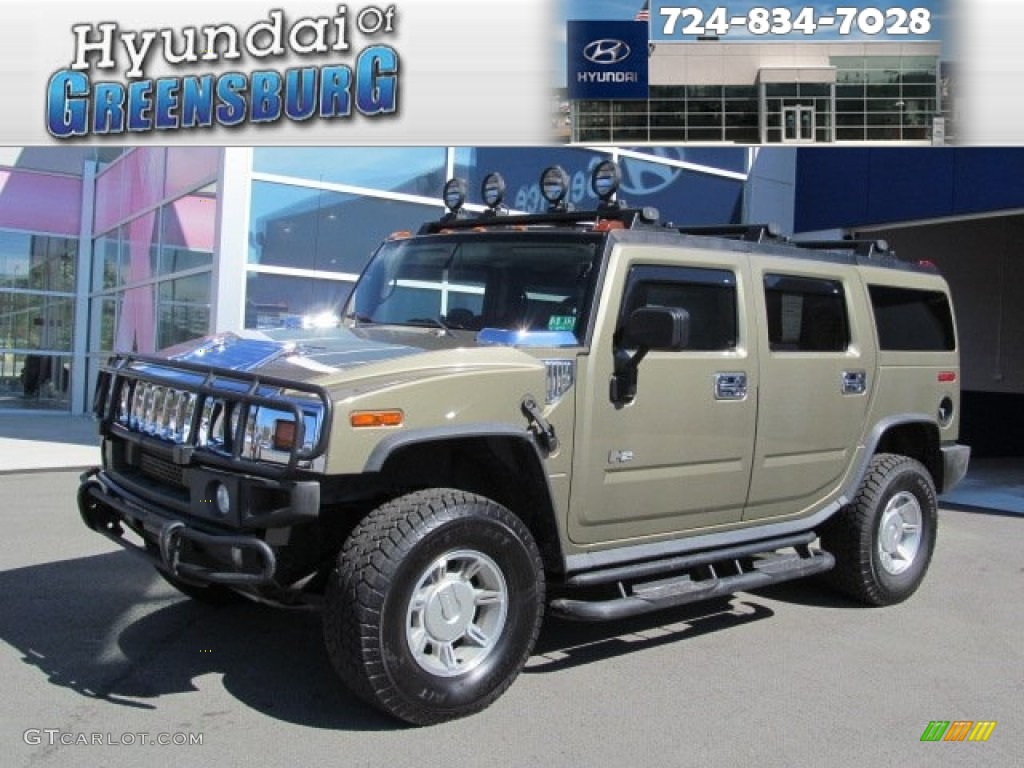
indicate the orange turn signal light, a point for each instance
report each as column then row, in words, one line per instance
column 361, row 419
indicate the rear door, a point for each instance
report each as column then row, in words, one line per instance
column 817, row 367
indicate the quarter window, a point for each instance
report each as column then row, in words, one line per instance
column 911, row 320
column 806, row 314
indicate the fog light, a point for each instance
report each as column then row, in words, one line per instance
column 554, row 185
column 493, row 190
column 223, row 499
column 454, row 194
column 605, row 180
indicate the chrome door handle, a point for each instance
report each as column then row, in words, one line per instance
column 854, row 382
column 731, row 385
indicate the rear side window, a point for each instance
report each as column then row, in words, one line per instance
column 806, row 314
column 709, row 295
column 912, row 321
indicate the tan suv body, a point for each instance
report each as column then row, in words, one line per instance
column 591, row 412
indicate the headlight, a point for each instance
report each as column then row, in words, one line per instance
column 272, row 434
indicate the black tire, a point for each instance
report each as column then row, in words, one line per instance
column 870, row 567
column 371, row 620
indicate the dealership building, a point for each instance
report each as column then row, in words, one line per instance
column 781, row 92
column 106, row 250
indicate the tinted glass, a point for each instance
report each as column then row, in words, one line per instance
column 708, row 295
column 806, row 314
column 910, row 320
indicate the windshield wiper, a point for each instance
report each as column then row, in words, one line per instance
column 358, row 317
column 434, row 321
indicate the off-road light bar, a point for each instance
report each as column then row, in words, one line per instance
column 554, row 185
column 492, row 190
column 454, row 194
column 605, row 180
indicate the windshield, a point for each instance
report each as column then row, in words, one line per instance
column 522, row 282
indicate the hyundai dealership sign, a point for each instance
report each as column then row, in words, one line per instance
column 607, row 59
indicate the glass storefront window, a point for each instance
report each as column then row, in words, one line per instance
column 108, row 308
column 140, row 243
column 31, row 380
column 280, row 301
column 15, row 259
column 36, row 321
column 188, row 227
column 37, row 262
column 411, row 170
column 190, row 167
column 183, row 309
column 327, row 231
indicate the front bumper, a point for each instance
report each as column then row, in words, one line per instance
column 189, row 550
column 955, row 459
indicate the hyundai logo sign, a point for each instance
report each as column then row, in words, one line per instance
column 607, row 51
column 606, row 59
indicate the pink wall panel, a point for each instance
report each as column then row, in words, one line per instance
column 40, row 202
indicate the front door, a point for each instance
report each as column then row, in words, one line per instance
column 678, row 456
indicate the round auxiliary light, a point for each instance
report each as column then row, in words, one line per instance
column 493, row 190
column 223, row 499
column 605, row 180
column 554, row 184
column 454, row 194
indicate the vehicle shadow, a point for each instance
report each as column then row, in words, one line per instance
column 813, row 592
column 564, row 644
column 107, row 628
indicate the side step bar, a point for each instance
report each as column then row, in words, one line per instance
column 639, row 598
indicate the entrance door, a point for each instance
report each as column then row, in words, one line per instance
column 798, row 125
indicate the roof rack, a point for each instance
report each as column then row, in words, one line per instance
column 869, row 249
column 751, row 233
column 630, row 218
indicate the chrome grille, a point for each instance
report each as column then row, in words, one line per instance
column 156, row 410
column 210, row 415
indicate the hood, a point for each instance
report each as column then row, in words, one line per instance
column 329, row 353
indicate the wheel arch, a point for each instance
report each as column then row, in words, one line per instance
column 913, row 435
column 500, row 462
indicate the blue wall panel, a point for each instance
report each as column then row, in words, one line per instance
column 855, row 187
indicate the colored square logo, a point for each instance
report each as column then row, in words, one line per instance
column 607, row 59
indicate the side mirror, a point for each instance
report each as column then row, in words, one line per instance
column 662, row 329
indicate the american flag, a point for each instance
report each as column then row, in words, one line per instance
column 644, row 14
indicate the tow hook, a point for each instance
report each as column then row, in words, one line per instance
column 540, row 426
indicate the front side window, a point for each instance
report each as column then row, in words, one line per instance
column 522, row 283
column 707, row 295
column 806, row 314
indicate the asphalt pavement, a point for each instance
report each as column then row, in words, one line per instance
column 100, row 661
